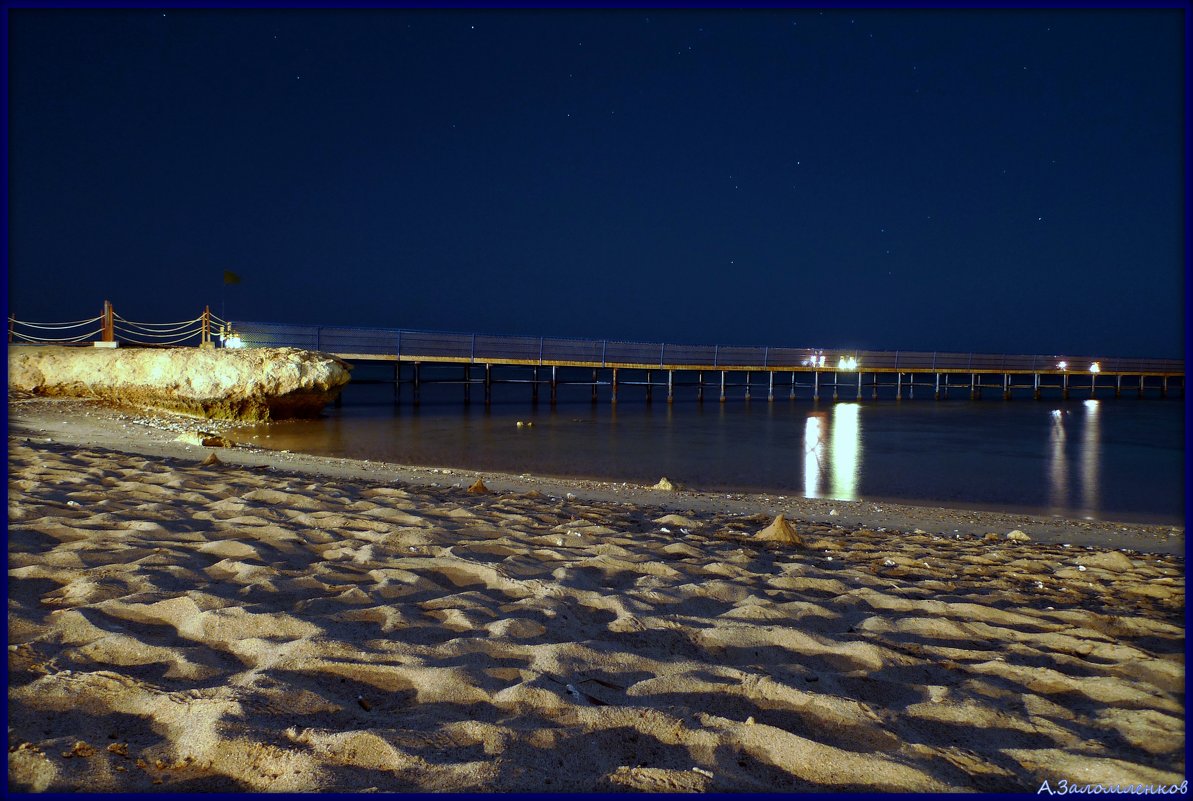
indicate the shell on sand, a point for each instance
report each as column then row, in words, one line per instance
column 780, row 531
column 479, row 488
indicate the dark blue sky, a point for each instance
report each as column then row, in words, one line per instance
column 999, row 181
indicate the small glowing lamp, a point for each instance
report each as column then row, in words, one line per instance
column 1062, row 365
column 234, row 341
column 1095, row 368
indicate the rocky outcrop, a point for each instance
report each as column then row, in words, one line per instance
column 250, row 384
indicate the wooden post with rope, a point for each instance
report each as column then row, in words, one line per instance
column 205, row 337
column 108, row 332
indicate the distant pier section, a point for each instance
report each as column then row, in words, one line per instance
column 718, row 372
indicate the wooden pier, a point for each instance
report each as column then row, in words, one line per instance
column 724, row 373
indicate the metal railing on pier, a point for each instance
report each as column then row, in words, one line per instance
column 406, row 345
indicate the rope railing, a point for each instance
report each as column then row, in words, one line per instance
column 132, row 332
column 55, row 326
column 79, row 338
column 164, row 327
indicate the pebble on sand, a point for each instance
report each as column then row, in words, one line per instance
column 1018, row 536
column 211, row 460
column 479, row 488
column 664, row 484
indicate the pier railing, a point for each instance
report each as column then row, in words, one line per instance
column 408, row 345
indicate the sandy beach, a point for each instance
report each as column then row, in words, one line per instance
column 286, row 622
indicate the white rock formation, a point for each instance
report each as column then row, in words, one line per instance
column 251, row 384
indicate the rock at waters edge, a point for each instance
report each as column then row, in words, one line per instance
column 250, row 384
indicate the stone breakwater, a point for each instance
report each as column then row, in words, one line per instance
column 253, row 384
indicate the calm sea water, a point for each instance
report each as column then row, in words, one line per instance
column 1111, row 458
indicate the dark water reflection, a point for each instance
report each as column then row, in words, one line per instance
column 1106, row 459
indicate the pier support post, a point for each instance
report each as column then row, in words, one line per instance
column 554, row 385
column 874, row 394
column 1064, row 386
column 937, row 386
column 614, row 383
column 1035, row 392
column 1164, row 387
column 859, row 385
column 836, row 381
column 534, row 387
column 1141, row 385
column 747, row 385
column 700, row 387
column 417, row 382
column 649, row 387
column 1093, row 384
column 898, row 386
column 594, row 385
column 397, row 381
column 975, row 391
column 488, row 384
column 1118, row 385
column 670, row 386
column 467, row 384
column 770, row 392
column 1006, row 386
column 793, row 384
column 722, row 386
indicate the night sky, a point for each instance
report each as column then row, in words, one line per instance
column 991, row 181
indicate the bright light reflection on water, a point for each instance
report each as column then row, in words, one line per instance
column 846, row 452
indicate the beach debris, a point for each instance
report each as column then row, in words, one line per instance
column 525, row 424
column 1018, row 536
column 991, row 537
column 832, row 512
column 1110, row 560
column 72, row 503
column 664, row 484
column 211, row 460
column 576, row 695
column 780, row 531
column 1081, row 567
column 678, row 520
column 364, row 703
column 750, row 720
column 571, row 496
column 705, row 773
column 478, row 488
column 205, row 439
column 665, row 530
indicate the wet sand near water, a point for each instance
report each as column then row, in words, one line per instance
column 284, row 622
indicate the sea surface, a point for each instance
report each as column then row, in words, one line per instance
column 1106, row 459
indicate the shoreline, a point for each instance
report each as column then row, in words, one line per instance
column 152, row 433
column 271, row 622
